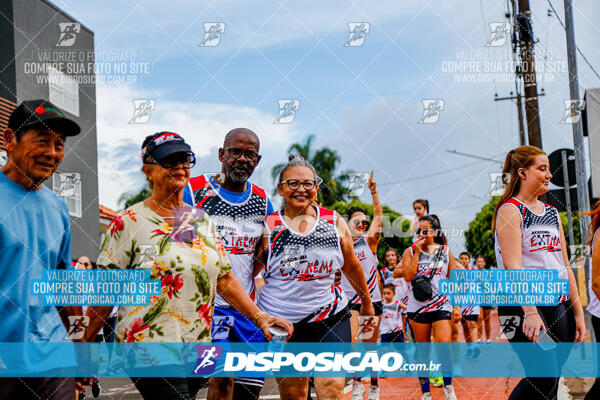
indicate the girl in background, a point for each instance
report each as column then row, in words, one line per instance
column 420, row 207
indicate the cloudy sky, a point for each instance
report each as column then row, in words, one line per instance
column 363, row 101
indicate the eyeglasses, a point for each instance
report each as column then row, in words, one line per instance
column 361, row 222
column 188, row 160
column 294, row 184
column 236, row 152
column 424, row 231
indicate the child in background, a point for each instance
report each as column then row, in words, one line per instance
column 391, row 329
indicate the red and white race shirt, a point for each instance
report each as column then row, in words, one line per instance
column 300, row 271
column 425, row 266
column 369, row 263
column 540, row 240
column 239, row 224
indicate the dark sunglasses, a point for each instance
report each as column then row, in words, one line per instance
column 294, row 184
column 188, row 160
column 424, row 231
column 361, row 222
column 236, row 152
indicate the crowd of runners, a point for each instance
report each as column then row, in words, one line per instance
column 248, row 271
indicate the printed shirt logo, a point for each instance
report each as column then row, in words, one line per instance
column 207, row 356
column 544, row 241
column 166, row 137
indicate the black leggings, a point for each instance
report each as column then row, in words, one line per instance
column 560, row 323
column 594, row 392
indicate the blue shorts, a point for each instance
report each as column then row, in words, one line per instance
column 230, row 326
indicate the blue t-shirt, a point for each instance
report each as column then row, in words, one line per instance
column 35, row 234
column 232, row 197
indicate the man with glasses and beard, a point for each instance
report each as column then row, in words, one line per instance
column 238, row 209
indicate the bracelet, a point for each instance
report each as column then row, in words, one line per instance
column 375, row 192
column 530, row 314
column 258, row 315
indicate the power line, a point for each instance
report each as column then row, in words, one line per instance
column 445, row 171
column 578, row 49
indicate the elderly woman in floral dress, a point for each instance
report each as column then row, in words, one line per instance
column 191, row 264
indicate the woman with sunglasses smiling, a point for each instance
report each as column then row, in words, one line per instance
column 425, row 263
column 180, row 246
column 366, row 239
column 303, row 248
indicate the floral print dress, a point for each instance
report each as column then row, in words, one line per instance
column 138, row 238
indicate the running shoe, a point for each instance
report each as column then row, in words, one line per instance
column 489, row 341
column 373, row 393
column 358, row 390
column 95, row 387
column 449, row 393
column 426, row 396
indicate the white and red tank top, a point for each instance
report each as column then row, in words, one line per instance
column 390, row 318
column 425, row 267
column 300, row 272
column 540, row 240
column 594, row 305
column 239, row 224
column 401, row 292
column 368, row 262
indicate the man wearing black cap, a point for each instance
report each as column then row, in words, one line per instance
column 34, row 235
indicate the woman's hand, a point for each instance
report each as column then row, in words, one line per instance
column 372, row 184
column 532, row 325
column 266, row 321
column 579, row 328
column 456, row 314
column 418, row 245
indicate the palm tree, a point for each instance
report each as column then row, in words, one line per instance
column 325, row 161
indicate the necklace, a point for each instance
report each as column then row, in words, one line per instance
column 160, row 206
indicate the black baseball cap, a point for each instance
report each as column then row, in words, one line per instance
column 43, row 115
column 163, row 144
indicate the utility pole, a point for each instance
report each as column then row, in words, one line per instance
column 582, row 187
column 525, row 31
column 521, row 37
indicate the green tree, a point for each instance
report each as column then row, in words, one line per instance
column 325, row 161
column 395, row 230
column 130, row 198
